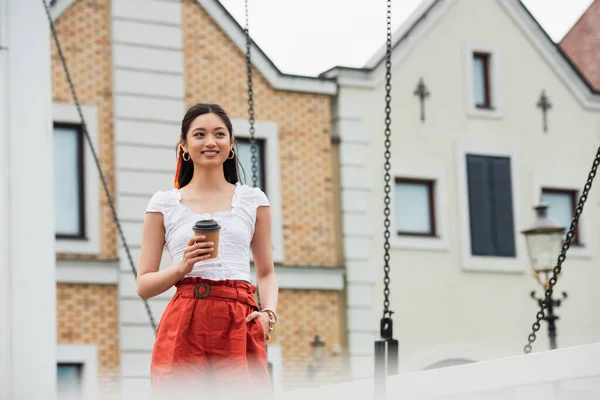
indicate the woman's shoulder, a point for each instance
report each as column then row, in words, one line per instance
column 163, row 200
column 252, row 196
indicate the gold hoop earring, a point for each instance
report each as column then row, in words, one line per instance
column 183, row 156
column 232, row 155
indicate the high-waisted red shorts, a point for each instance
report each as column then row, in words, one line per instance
column 203, row 339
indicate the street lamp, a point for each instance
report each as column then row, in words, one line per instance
column 317, row 344
column 544, row 242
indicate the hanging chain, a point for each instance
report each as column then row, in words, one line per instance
column 387, row 165
column 253, row 146
column 563, row 253
column 97, row 161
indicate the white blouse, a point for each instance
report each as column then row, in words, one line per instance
column 237, row 230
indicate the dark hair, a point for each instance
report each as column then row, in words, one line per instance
column 186, row 169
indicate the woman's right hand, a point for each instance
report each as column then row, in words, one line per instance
column 195, row 251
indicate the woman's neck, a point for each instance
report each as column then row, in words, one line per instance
column 208, row 179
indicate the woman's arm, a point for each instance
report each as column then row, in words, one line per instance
column 262, row 253
column 151, row 281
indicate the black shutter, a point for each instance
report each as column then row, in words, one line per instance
column 480, row 204
column 504, row 232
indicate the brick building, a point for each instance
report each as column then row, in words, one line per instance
column 582, row 44
column 136, row 69
column 86, row 245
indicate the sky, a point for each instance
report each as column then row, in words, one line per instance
column 307, row 37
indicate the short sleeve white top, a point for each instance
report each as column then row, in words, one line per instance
column 237, row 230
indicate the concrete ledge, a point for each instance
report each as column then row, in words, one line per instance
column 103, row 272
column 308, row 278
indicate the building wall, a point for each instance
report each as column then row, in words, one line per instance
column 337, row 198
column 148, row 95
column 488, row 312
column 448, row 305
column 87, row 313
column 156, row 54
column 27, row 265
column 303, row 315
column 215, row 72
column 84, row 33
column 582, row 43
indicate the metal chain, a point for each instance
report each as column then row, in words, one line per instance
column 253, row 146
column 97, row 161
column 563, row 254
column 387, row 165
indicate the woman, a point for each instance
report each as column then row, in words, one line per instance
column 212, row 332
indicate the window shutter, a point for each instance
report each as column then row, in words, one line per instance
column 480, row 203
column 504, row 232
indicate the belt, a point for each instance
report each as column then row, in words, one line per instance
column 231, row 290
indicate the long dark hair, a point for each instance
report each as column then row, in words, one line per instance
column 185, row 169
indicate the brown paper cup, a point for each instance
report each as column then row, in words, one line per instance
column 211, row 229
column 211, row 237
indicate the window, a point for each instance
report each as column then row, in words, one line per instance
column 490, row 206
column 481, row 80
column 562, row 204
column 77, row 371
column 68, row 379
column 267, row 140
column 69, row 181
column 245, row 156
column 77, row 182
column 415, row 211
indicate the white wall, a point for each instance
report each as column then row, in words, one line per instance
column 563, row 374
column 149, row 103
column 442, row 306
column 26, row 211
column 5, row 359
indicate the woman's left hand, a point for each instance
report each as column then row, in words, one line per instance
column 262, row 317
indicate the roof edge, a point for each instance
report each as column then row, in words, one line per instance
column 279, row 80
column 558, row 49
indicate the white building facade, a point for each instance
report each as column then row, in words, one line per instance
column 464, row 183
column 27, row 266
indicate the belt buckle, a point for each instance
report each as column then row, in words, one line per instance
column 204, row 294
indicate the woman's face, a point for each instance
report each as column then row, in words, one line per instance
column 208, row 141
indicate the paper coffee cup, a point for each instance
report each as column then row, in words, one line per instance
column 211, row 229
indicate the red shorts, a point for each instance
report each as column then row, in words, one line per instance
column 204, row 342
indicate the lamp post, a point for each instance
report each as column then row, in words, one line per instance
column 544, row 241
column 317, row 344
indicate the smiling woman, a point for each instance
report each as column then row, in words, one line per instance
column 212, row 333
column 204, row 120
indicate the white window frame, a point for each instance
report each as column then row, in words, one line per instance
column 274, row 356
column 568, row 182
column 87, row 355
column 520, row 262
column 268, row 131
column 427, row 172
column 67, row 113
column 494, row 80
